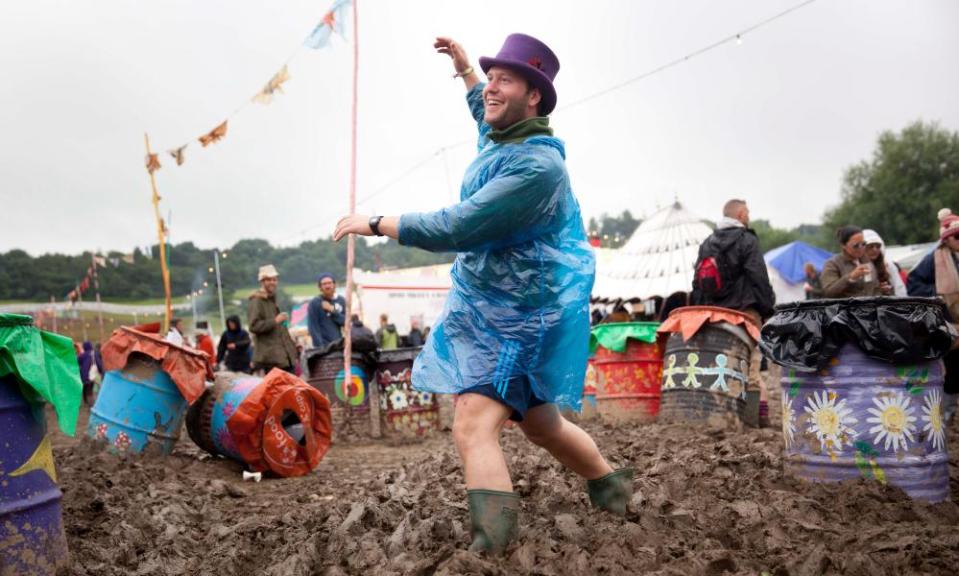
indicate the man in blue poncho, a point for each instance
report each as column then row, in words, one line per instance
column 513, row 337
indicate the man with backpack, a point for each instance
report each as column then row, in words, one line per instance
column 731, row 273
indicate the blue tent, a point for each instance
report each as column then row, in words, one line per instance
column 790, row 259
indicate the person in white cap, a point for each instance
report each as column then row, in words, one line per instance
column 890, row 282
column 273, row 346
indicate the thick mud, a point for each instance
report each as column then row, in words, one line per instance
column 707, row 501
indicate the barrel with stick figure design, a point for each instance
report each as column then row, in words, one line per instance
column 706, row 365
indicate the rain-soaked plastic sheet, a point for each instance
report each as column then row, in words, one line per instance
column 807, row 335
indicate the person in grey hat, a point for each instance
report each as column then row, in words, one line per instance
column 273, row 346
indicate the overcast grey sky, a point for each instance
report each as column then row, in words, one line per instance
column 774, row 120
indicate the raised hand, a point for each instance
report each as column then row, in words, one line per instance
column 455, row 51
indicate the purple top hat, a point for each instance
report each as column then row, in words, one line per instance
column 531, row 58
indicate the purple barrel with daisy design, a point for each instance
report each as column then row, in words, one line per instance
column 865, row 418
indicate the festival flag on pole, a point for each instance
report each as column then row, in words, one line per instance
column 274, row 85
column 214, row 135
column 333, row 21
column 153, row 163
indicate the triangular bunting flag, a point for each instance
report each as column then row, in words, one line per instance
column 274, row 85
column 214, row 135
column 177, row 154
column 333, row 21
column 153, row 163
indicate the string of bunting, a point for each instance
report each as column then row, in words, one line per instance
column 736, row 37
column 333, row 21
column 84, row 284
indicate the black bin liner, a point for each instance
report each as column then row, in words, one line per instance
column 364, row 350
column 807, row 335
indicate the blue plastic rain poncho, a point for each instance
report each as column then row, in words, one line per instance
column 519, row 302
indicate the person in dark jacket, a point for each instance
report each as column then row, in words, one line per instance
column 745, row 282
column 326, row 313
column 415, row 337
column 87, row 359
column 937, row 274
column 233, row 350
column 359, row 331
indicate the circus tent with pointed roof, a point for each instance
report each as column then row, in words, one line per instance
column 657, row 260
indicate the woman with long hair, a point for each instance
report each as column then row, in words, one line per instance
column 890, row 282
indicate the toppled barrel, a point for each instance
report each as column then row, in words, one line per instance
column 862, row 390
column 629, row 366
column 706, row 366
column 277, row 423
column 145, row 393
column 35, row 368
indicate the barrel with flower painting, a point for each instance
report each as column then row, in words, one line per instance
column 862, row 391
column 404, row 411
column 277, row 424
column 146, row 390
column 628, row 365
column 706, row 365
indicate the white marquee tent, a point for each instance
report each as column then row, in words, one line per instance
column 657, row 260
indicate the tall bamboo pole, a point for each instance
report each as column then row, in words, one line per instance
column 161, row 234
column 373, row 392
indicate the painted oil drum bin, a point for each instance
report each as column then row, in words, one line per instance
column 31, row 526
column 864, row 418
column 138, row 407
column 404, row 411
column 148, row 385
column 276, row 424
column 349, row 400
column 628, row 362
column 847, row 415
column 706, row 365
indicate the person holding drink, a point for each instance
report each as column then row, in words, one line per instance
column 849, row 274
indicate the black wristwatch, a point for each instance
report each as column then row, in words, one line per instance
column 375, row 225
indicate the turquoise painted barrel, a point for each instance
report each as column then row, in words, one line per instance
column 31, row 526
column 139, row 408
column 864, row 418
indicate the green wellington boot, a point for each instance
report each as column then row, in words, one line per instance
column 613, row 491
column 493, row 519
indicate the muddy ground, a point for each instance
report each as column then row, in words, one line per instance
column 709, row 502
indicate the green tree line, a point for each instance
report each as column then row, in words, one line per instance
column 23, row 277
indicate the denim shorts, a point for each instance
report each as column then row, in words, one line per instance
column 517, row 394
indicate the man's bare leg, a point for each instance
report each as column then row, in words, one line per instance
column 477, row 424
column 567, row 442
